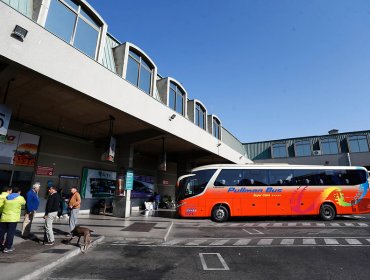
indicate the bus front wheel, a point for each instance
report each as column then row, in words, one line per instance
column 327, row 212
column 220, row 214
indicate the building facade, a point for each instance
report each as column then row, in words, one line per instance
column 351, row 148
column 85, row 107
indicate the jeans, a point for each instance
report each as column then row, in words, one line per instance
column 49, row 234
column 73, row 219
column 26, row 228
column 9, row 229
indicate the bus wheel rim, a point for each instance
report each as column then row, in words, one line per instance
column 220, row 214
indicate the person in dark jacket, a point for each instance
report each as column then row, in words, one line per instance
column 32, row 203
column 51, row 212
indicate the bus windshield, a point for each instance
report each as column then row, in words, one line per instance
column 194, row 183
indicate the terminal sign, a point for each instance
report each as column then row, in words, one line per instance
column 129, row 180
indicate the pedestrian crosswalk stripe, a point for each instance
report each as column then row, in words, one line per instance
column 287, row 242
column 219, row 242
column 292, row 224
column 196, row 242
column 306, row 224
column 349, row 224
column 277, row 224
column 330, row 241
column 320, row 225
column 309, row 241
column 265, row 242
column 174, row 241
column 334, row 224
column 368, row 240
column 363, row 225
column 353, row 241
column 242, row 242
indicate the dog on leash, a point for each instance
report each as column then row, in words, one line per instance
column 86, row 233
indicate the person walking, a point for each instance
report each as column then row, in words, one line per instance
column 51, row 212
column 3, row 195
column 32, row 204
column 10, row 217
column 74, row 205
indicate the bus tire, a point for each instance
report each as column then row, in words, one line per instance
column 327, row 212
column 220, row 214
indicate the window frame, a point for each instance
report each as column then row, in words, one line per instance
column 178, row 94
column 199, row 108
column 281, row 144
column 329, row 140
column 142, row 62
column 79, row 15
column 299, row 143
column 365, row 137
column 216, row 123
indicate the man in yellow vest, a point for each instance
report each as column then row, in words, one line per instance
column 3, row 195
column 9, row 219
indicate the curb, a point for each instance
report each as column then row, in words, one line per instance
column 57, row 262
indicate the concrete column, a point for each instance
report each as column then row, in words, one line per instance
column 122, row 207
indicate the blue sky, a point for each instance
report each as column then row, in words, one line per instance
column 269, row 69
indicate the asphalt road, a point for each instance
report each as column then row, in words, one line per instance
column 286, row 248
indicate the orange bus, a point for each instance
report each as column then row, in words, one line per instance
column 221, row 191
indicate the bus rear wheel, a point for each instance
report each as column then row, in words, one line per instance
column 220, row 213
column 327, row 212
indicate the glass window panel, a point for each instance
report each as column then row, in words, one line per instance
column 145, row 79
column 358, row 144
column 60, row 21
column 302, row 148
column 90, row 19
column 171, row 102
column 279, row 150
column 179, row 103
column 143, row 63
column 86, row 38
column 280, row 177
column 132, row 74
column 134, row 55
column 72, row 4
column 329, row 146
column 201, row 119
column 173, row 86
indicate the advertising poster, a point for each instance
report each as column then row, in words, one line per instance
column 5, row 114
column 19, row 148
column 98, row 183
column 143, row 187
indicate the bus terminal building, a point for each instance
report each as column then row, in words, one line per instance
column 83, row 108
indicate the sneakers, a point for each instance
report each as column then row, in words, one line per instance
column 6, row 250
column 49, row 243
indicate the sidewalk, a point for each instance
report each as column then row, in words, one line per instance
column 31, row 258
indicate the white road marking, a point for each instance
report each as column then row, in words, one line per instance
column 292, row 224
column 352, row 241
column 219, row 242
column 335, row 224
column 287, row 242
column 363, row 225
column 348, row 224
column 278, row 224
column 368, row 240
column 222, row 261
column 306, row 224
column 265, row 242
column 242, row 242
column 253, row 231
column 320, row 225
column 196, row 242
column 173, row 242
column 331, row 241
column 309, row 241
